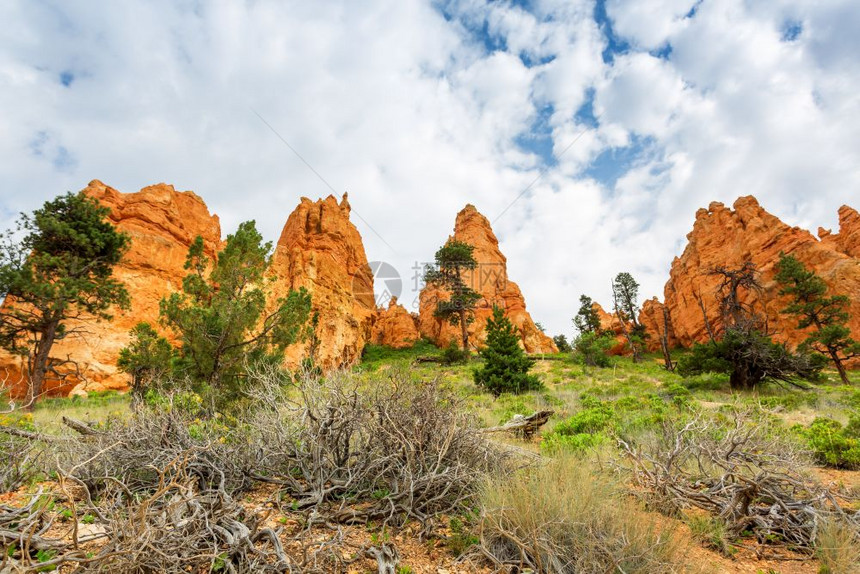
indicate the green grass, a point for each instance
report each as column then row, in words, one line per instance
column 639, row 396
column 374, row 356
column 97, row 407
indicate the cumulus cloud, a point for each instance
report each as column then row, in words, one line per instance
column 588, row 132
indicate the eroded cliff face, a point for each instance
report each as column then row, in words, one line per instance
column 847, row 241
column 490, row 279
column 395, row 327
column 729, row 237
column 321, row 250
column 162, row 223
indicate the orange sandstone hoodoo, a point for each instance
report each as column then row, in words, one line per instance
column 491, row 281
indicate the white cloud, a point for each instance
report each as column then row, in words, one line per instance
column 417, row 109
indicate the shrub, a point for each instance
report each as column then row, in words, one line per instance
column 558, row 517
column 737, row 468
column 834, row 445
column 506, row 365
column 586, row 429
column 397, row 449
column 591, row 349
column 454, row 355
column 22, row 461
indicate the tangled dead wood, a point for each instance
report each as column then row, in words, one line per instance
column 397, row 451
column 747, row 479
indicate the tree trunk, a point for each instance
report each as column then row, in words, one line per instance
column 738, row 380
column 664, row 341
column 620, row 316
column 464, row 333
column 705, row 317
column 39, row 365
column 839, row 366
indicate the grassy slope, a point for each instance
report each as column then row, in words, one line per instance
column 566, row 382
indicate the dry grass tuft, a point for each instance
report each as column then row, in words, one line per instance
column 566, row 516
column 838, row 547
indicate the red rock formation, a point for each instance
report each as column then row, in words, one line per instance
column 609, row 323
column 847, row 241
column 321, row 250
column 162, row 223
column 490, row 279
column 395, row 326
column 726, row 237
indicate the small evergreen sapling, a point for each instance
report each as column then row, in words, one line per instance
column 506, row 365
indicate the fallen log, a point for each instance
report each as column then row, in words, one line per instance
column 521, row 425
column 81, row 427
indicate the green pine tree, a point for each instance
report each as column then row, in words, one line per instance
column 586, row 319
column 57, row 266
column 506, row 365
column 453, row 260
column 826, row 315
column 224, row 320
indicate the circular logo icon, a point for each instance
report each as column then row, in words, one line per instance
column 386, row 283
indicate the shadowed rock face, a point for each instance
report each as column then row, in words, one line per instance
column 491, row 280
column 162, row 223
column 321, row 250
column 728, row 237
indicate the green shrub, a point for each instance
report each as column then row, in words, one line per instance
column 513, row 405
column 454, row 355
column 586, row 429
column 834, row 445
column 462, row 538
column 706, row 382
column 591, row 349
column 554, row 443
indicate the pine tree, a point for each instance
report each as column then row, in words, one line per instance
column 453, row 260
column 224, row 321
column 60, row 269
column 506, row 365
column 586, row 319
column 625, row 292
column 827, row 315
column 562, row 344
column 746, row 351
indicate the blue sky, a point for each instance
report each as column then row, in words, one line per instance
column 588, row 132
